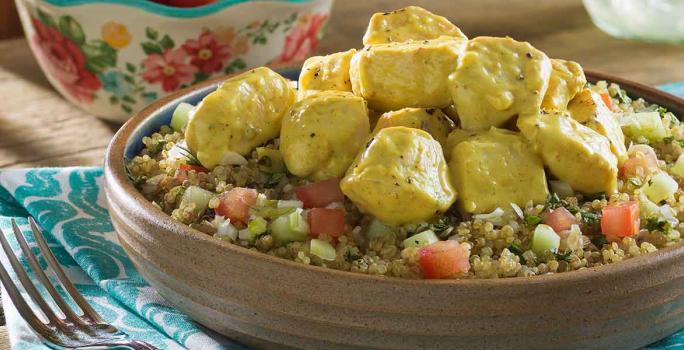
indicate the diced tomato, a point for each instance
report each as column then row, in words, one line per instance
column 642, row 161
column 328, row 221
column 607, row 100
column 196, row 168
column 235, row 204
column 320, row 194
column 443, row 259
column 560, row 219
column 620, row 220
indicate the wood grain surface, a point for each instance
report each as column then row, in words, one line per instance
column 39, row 128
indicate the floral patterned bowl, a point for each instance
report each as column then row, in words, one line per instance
column 113, row 57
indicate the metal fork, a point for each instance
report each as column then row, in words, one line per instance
column 72, row 331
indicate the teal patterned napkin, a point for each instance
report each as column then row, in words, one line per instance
column 68, row 203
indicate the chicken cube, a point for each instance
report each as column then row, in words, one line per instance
column 408, row 23
column 566, row 80
column 400, row 177
column 432, row 120
column 497, row 79
column 589, row 109
column 574, row 153
column 323, row 133
column 494, row 169
column 243, row 113
column 329, row 72
column 410, row 74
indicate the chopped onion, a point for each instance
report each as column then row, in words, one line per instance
column 335, row 205
column 152, row 184
column 290, row 204
column 232, row 158
column 177, row 151
column 668, row 214
column 226, row 230
column 495, row 216
column 518, row 211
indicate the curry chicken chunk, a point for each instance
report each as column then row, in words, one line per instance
column 497, row 79
column 243, row 113
column 410, row 74
column 573, row 152
column 566, row 80
column 323, row 133
column 589, row 109
column 408, row 23
column 432, row 120
column 400, row 177
column 329, row 72
column 495, row 168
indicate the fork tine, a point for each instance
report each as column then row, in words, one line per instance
column 88, row 311
column 18, row 300
column 33, row 262
column 28, row 285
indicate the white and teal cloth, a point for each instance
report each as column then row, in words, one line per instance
column 69, row 204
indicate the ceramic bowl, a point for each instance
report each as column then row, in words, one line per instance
column 268, row 302
column 113, row 57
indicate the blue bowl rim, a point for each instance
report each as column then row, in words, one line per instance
column 163, row 10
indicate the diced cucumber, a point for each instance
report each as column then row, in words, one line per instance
column 545, row 238
column 660, row 187
column 290, row 204
column 257, row 226
column 377, row 229
column 322, row 249
column 647, row 209
column 181, row 115
column 197, row 195
column 678, row 167
column 270, row 212
column 646, row 124
column 270, row 160
column 421, row 239
column 298, row 222
column 290, row 228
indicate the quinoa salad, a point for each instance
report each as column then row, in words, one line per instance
column 488, row 159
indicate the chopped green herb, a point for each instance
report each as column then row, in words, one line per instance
column 654, row 224
column 661, row 111
column 442, row 225
column 595, row 196
column 564, row 256
column 553, row 202
column 635, row 181
column 274, row 180
column 531, row 220
column 668, row 139
column 351, row 256
column 192, row 160
column 157, row 147
column 590, row 218
column 599, row 241
column 515, row 249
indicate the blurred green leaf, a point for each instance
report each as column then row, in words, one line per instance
column 126, row 108
column 166, row 42
column 46, row 19
column 113, row 100
column 71, row 29
column 99, row 56
column 130, row 67
column 151, row 33
column 151, row 48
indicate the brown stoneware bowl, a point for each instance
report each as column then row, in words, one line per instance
column 269, row 302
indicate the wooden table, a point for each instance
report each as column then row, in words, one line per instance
column 39, row 128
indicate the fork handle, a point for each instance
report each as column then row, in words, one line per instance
column 131, row 344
